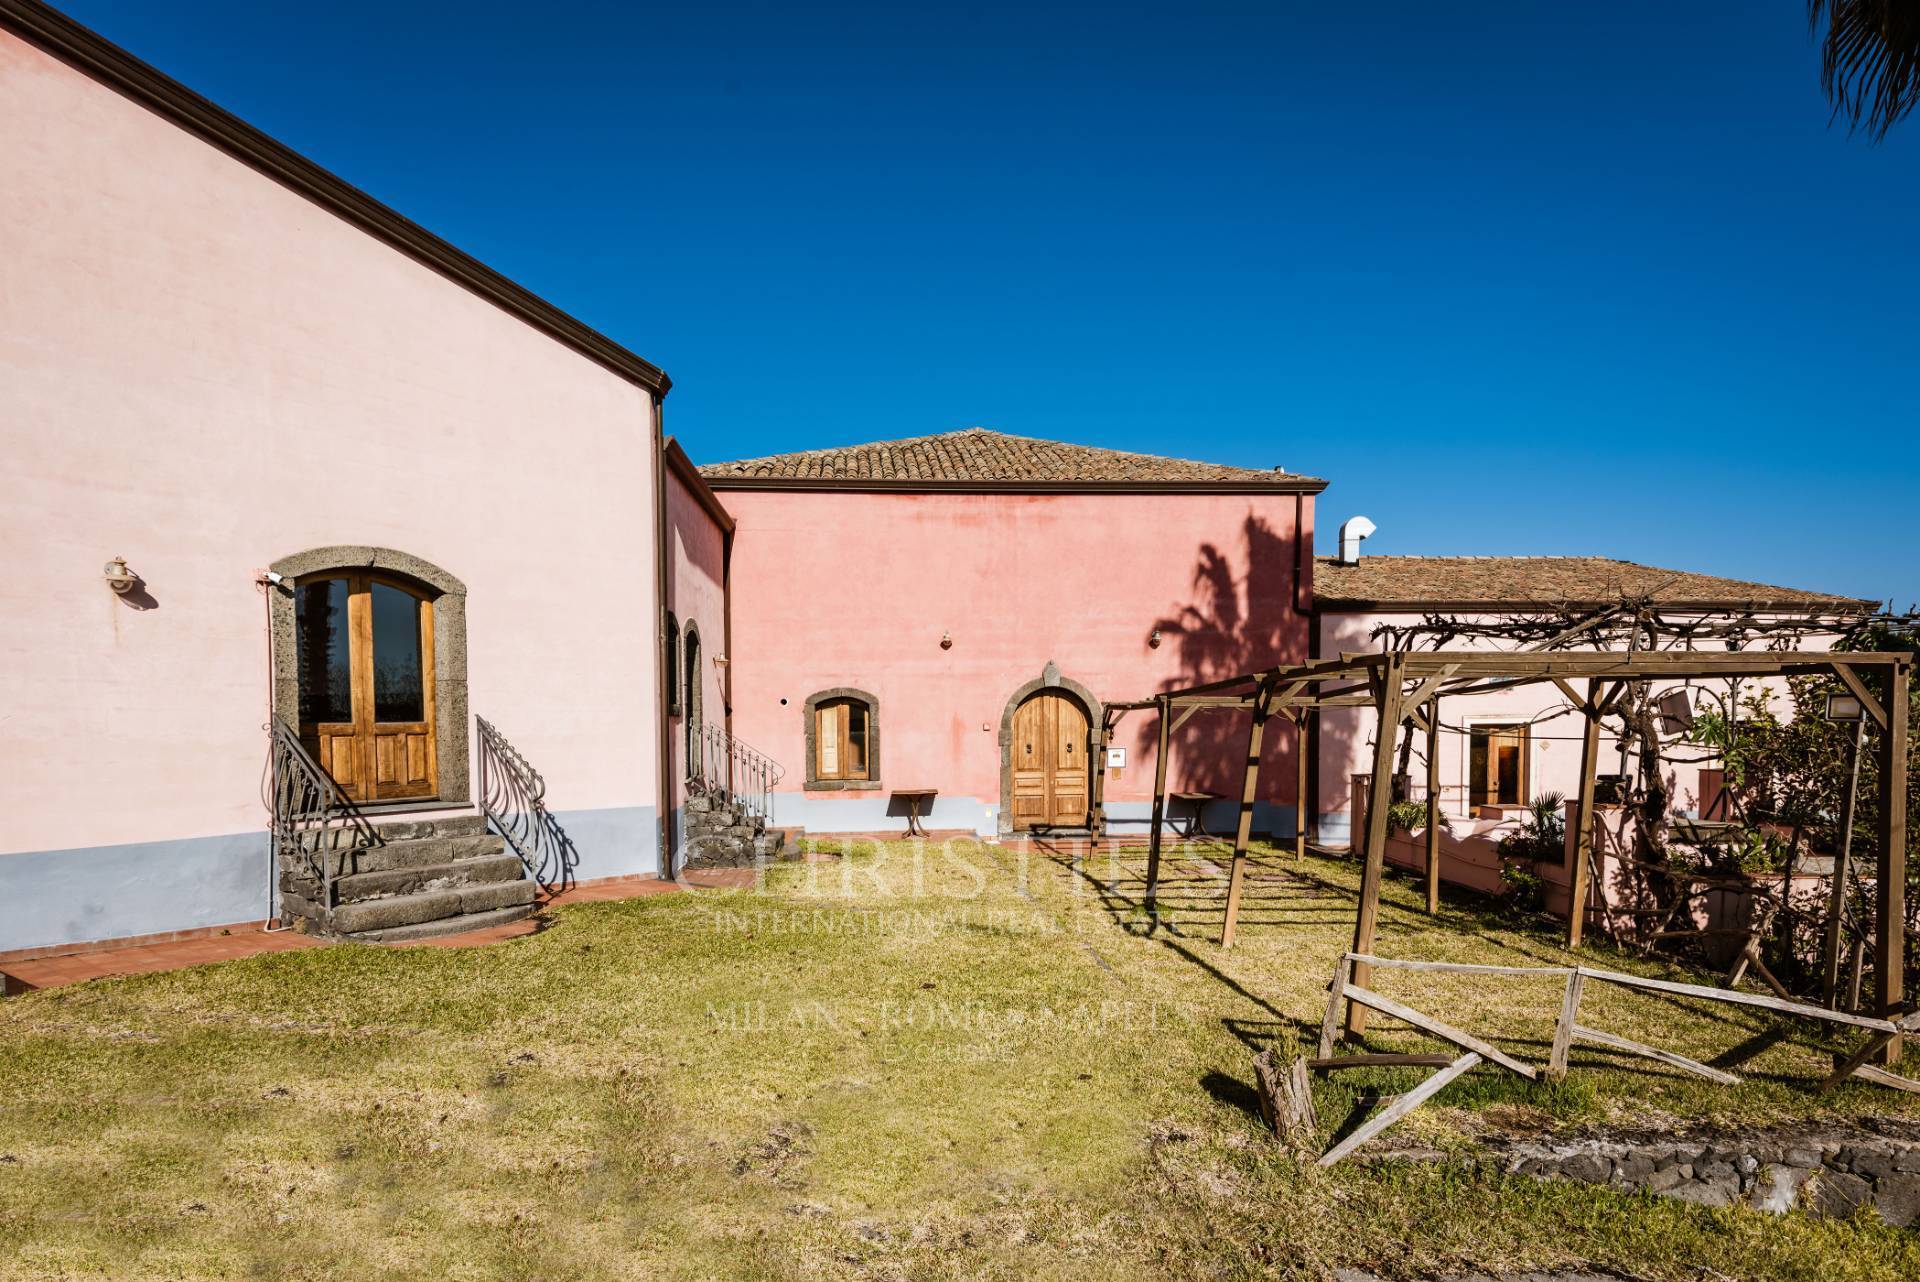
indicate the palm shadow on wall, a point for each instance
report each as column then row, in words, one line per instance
column 1242, row 618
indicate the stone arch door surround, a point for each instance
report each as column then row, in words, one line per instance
column 447, row 598
column 1050, row 678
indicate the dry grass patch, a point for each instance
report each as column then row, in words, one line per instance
column 941, row 1061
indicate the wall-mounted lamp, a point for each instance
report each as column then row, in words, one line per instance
column 118, row 576
column 1844, row 707
column 946, row 640
column 1153, row 642
column 720, row 661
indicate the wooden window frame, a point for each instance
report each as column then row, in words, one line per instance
column 1476, row 796
column 839, row 781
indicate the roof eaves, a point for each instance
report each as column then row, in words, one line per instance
column 1287, row 484
column 1836, row 605
column 688, row 475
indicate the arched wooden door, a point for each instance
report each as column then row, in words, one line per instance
column 364, row 646
column 1050, row 779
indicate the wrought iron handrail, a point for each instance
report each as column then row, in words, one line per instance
column 513, row 800
column 314, row 823
column 735, row 771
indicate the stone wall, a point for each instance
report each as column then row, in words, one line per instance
column 1824, row 1170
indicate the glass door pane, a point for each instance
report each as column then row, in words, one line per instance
column 856, row 767
column 399, row 688
column 1509, row 783
column 321, row 649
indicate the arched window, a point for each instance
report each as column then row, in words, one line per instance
column 673, row 665
column 843, row 740
column 692, row 702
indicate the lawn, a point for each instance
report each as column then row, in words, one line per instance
column 938, row 1061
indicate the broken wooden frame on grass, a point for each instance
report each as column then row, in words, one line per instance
column 1408, row 686
column 1343, row 993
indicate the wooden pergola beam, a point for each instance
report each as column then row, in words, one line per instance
column 1851, row 680
column 1544, row 666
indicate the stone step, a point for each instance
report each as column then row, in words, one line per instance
column 467, row 825
column 722, row 818
column 718, row 853
column 414, row 852
column 443, row 926
column 428, row 905
column 405, row 881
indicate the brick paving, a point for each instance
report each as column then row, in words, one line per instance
column 78, row 968
column 177, row 954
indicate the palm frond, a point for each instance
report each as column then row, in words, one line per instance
column 1870, row 59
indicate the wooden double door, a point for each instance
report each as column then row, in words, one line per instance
column 364, row 651
column 1050, row 770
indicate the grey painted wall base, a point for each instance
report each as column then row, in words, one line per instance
column 822, row 815
column 53, row 897
column 878, row 813
column 618, row 841
column 1335, row 829
column 1218, row 818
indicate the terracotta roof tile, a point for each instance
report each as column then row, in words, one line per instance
column 1424, row 581
column 979, row 456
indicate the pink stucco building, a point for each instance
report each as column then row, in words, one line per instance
column 951, row 613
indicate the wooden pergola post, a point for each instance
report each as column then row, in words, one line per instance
column 1577, row 883
column 1300, row 801
column 1097, row 784
column 1837, row 892
column 1387, row 709
column 1159, row 800
column 1237, row 876
column 1890, row 943
column 1433, row 806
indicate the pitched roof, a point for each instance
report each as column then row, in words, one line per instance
column 977, row 458
column 1426, row 582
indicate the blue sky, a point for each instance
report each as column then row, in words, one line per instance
column 1515, row 277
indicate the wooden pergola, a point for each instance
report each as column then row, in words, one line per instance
column 1408, row 686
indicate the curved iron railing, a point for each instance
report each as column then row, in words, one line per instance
column 315, row 825
column 735, row 771
column 513, row 799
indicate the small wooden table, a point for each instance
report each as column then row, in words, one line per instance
column 915, row 798
column 1197, row 800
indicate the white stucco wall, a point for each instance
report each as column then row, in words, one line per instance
column 1347, row 734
